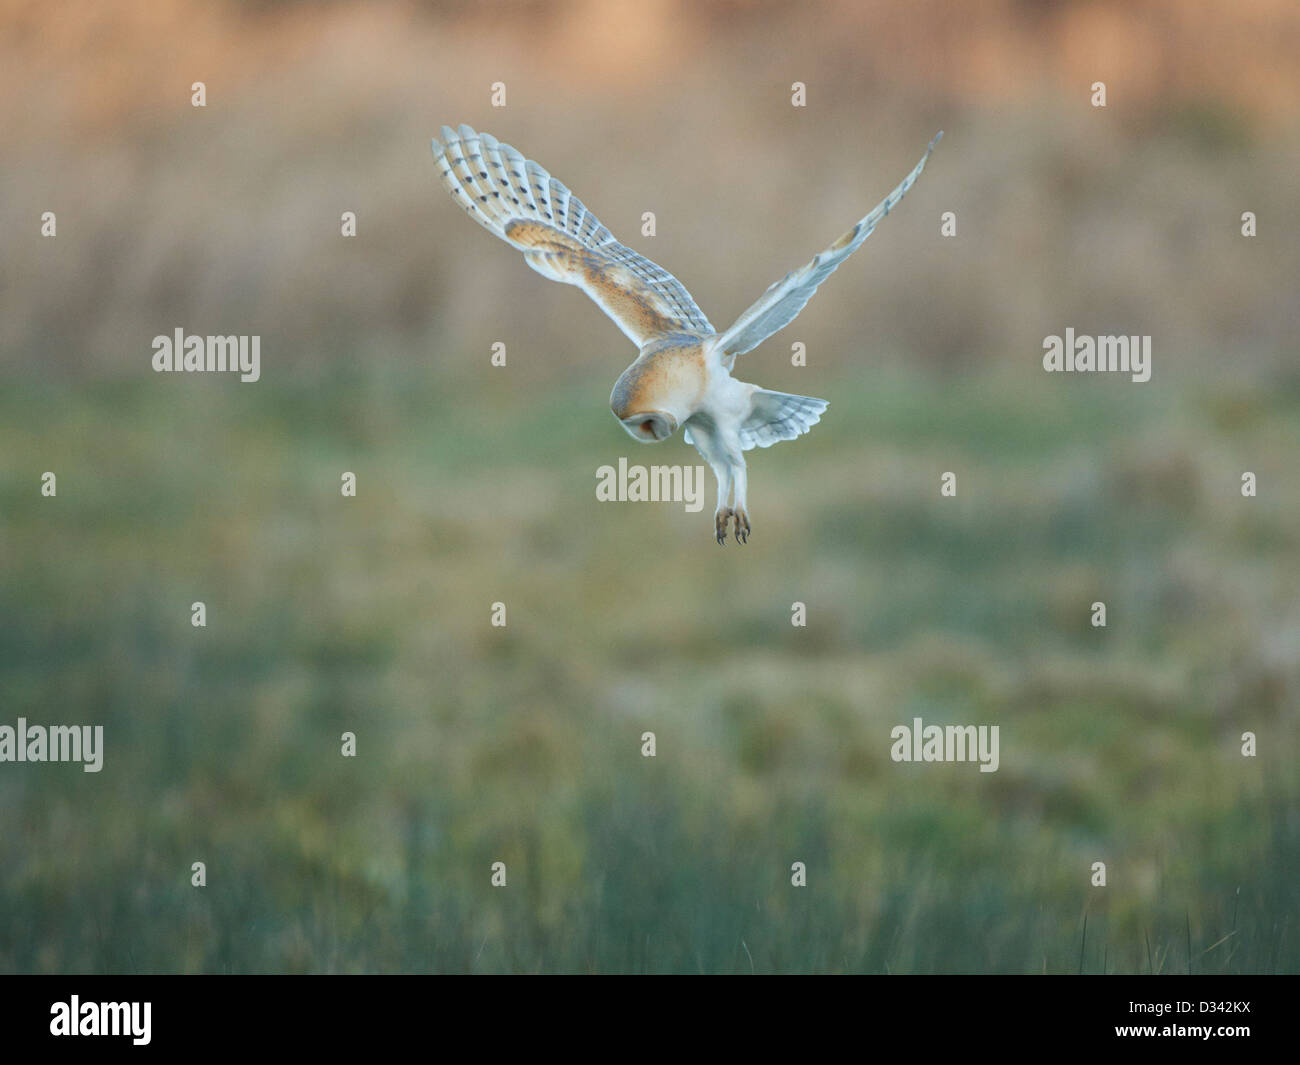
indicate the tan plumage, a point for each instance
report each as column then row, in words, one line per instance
column 682, row 374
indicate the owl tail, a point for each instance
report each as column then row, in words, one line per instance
column 776, row 416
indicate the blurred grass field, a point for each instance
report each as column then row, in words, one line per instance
column 522, row 745
column 476, row 485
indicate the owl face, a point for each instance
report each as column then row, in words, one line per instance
column 650, row 427
column 659, row 391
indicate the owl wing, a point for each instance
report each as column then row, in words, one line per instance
column 781, row 304
column 522, row 204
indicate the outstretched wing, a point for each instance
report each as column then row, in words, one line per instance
column 522, row 204
column 781, row 303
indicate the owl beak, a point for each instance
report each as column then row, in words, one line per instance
column 650, row 427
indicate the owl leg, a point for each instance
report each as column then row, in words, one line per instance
column 739, row 477
column 723, row 514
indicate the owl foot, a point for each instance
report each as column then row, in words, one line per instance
column 720, row 520
column 742, row 525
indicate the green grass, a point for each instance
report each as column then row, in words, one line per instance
column 477, row 744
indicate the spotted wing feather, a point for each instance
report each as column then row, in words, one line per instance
column 521, row 203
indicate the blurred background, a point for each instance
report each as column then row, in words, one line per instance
column 476, row 485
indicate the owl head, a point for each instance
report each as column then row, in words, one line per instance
column 653, row 396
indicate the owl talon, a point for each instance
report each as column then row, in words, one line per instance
column 742, row 526
column 720, row 520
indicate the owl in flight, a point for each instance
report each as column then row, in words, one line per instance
column 681, row 377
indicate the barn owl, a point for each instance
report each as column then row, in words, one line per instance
column 681, row 377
